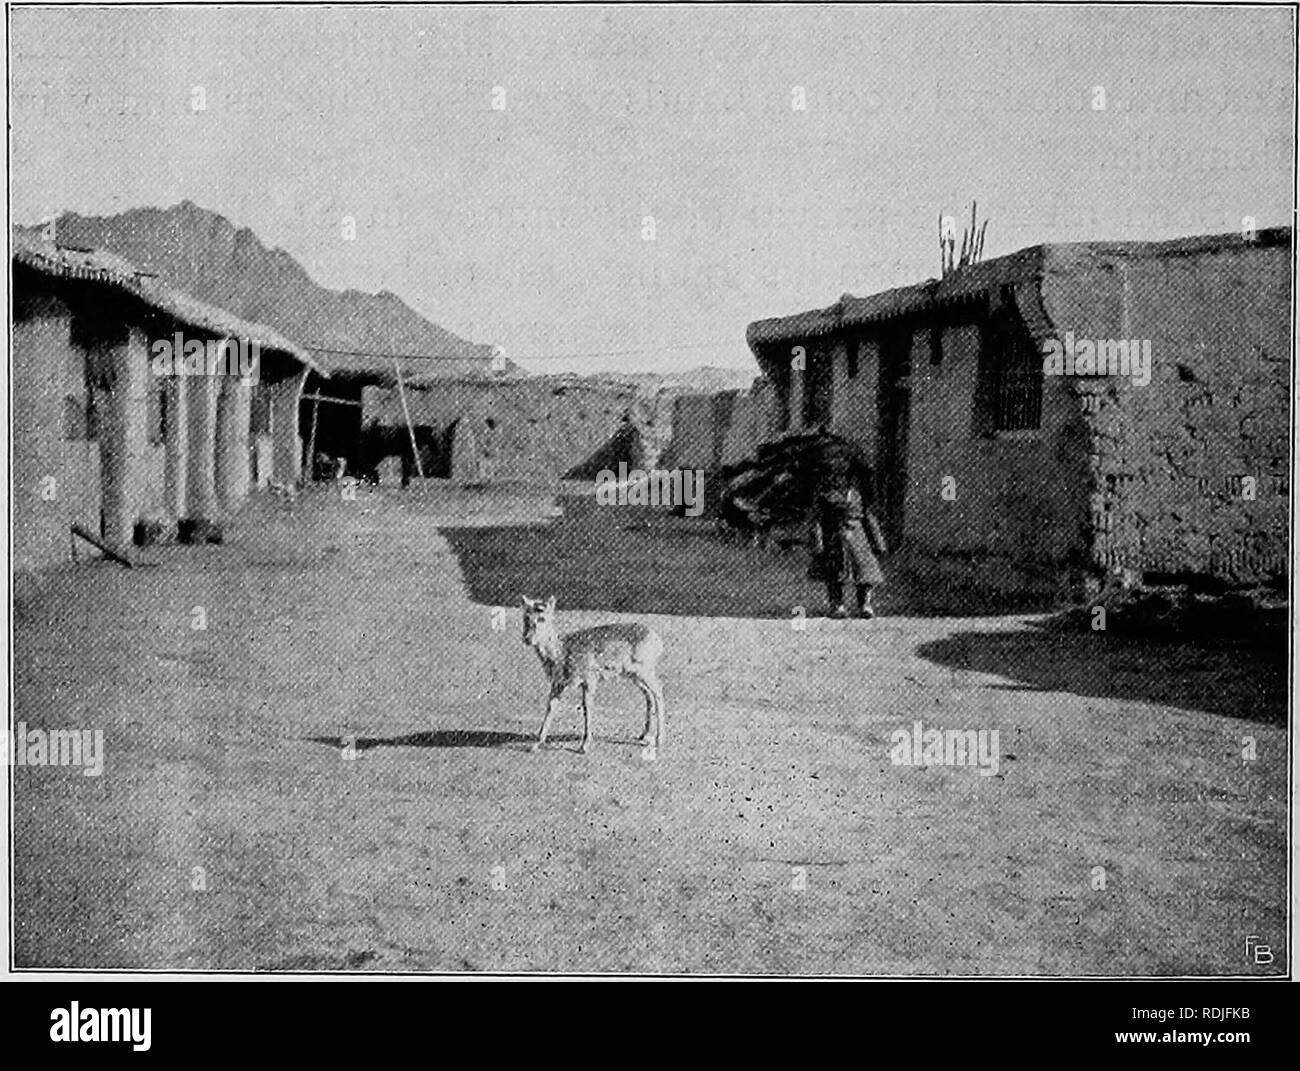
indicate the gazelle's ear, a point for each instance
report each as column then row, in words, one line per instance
column 527, row 600
column 550, row 604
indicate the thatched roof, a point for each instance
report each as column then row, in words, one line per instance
column 99, row 266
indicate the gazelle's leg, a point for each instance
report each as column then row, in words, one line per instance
column 552, row 705
column 644, row 689
column 657, row 693
column 586, row 718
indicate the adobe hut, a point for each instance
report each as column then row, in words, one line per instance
column 1016, row 436
column 474, row 430
column 101, row 437
column 331, row 418
column 700, row 423
column 751, row 423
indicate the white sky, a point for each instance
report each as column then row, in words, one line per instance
column 524, row 227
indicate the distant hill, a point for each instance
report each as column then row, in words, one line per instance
column 706, row 379
column 205, row 255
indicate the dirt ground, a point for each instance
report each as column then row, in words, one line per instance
column 234, row 827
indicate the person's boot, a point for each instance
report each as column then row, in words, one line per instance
column 864, row 601
column 835, row 600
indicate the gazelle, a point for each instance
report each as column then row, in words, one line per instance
column 591, row 655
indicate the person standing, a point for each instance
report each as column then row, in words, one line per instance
column 846, row 538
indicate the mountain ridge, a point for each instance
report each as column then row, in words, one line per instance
column 203, row 254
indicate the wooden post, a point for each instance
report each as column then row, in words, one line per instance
column 401, row 390
column 311, row 440
column 108, row 551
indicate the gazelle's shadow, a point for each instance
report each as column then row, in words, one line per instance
column 484, row 738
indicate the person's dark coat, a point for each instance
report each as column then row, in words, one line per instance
column 847, row 539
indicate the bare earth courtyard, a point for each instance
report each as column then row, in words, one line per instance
column 334, row 773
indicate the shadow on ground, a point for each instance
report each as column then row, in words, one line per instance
column 479, row 738
column 482, row 738
column 627, row 560
column 644, row 560
column 1233, row 679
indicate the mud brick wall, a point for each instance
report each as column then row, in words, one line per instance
column 1168, row 461
column 853, row 397
column 41, row 351
column 1018, row 496
column 81, row 466
column 531, row 429
column 81, row 485
column 752, row 422
column 699, row 431
column 545, row 428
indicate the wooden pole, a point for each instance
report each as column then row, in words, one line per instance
column 109, row 553
column 311, row 441
column 331, row 401
column 406, row 412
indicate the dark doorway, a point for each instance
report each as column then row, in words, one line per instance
column 894, row 403
column 329, row 421
column 776, row 365
column 818, row 380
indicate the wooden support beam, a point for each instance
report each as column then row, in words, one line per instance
column 401, row 390
column 108, row 551
column 334, row 401
column 311, row 441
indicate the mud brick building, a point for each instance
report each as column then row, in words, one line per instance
column 751, row 422
column 556, row 427
column 331, row 419
column 99, row 439
column 479, row 429
column 700, row 426
column 1022, row 480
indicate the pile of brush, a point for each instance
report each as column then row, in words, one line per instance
column 771, row 494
